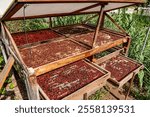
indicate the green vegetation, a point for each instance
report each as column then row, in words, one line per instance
column 134, row 24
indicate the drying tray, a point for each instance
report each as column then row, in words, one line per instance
column 75, row 29
column 84, row 33
column 72, row 81
column 121, row 68
column 104, row 37
column 30, row 37
column 42, row 54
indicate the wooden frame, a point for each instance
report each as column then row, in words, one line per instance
column 129, row 76
column 87, row 89
column 68, row 1
column 16, row 5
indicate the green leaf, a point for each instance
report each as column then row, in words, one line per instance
column 141, row 76
column 11, row 86
column 3, row 91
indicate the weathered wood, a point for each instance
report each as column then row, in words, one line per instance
column 3, row 51
column 114, row 90
column 127, row 46
column 114, row 22
column 98, row 26
column 34, row 92
column 6, row 70
column 54, row 65
column 131, row 83
column 107, row 57
column 13, row 44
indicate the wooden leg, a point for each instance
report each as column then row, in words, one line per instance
column 131, row 83
column 85, row 96
column 34, row 88
column 127, row 46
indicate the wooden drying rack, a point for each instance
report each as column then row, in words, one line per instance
column 31, row 73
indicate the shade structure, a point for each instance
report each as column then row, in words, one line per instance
column 15, row 9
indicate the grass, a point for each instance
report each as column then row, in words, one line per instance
column 136, row 26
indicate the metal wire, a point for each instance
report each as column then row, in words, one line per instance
column 24, row 28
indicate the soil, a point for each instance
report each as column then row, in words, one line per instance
column 63, row 81
column 103, row 38
column 49, row 52
column 71, row 30
column 34, row 36
column 119, row 67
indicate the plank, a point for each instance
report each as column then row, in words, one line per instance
column 6, row 70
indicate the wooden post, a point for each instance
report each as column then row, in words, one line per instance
column 102, row 22
column 6, row 70
column 50, row 22
column 98, row 26
column 131, row 83
column 34, row 92
column 127, row 46
column 85, row 96
column 13, row 43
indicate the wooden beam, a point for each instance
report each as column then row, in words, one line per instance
column 114, row 22
column 54, row 65
column 51, row 15
column 13, row 11
column 13, row 44
column 6, row 70
column 73, row 1
column 86, row 8
column 98, row 26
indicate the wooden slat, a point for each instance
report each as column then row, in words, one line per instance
column 6, row 70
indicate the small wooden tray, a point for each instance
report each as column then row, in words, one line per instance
column 72, row 81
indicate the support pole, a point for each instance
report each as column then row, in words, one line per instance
column 50, row 22
column 131, row 83
column 98, row 26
